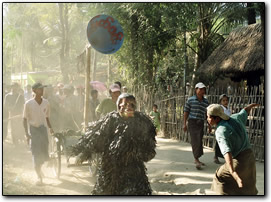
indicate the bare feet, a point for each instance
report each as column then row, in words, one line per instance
column 203, row 164
column 199, row 164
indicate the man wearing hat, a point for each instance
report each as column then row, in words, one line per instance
column 195, row 113
column 36, row 119
column 109, row 104
column 238, row 175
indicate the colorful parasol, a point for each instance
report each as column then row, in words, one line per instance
column 98, row 85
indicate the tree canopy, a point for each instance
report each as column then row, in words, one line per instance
column 157, row 37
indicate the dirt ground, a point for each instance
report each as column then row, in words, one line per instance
column 171, row 172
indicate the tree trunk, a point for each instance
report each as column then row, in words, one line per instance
column 32, row 56
column 67, row 27
column 149, row 66
column 205, row 25
column 62, row 50
column 193, row 82
column 134, row 39
column 262, row 13
column 87, row 87
column 109, row 71
column 94, row 65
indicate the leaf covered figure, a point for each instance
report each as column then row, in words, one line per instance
column 124, row 140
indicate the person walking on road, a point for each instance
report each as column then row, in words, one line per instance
column 238, row 175
column 36, row 120
column 155, row 116
column 195, row 115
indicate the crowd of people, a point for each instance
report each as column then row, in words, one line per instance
column 124, row 147
column 66, row 107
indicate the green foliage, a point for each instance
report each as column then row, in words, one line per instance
column 153, row 52
column 34, row 31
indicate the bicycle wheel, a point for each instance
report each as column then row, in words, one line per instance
column 55, row 156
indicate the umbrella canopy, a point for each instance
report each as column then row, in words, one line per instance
column 99, row 86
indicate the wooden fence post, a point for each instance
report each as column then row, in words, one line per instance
column 87, row 87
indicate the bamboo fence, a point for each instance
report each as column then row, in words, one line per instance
column 171, row 105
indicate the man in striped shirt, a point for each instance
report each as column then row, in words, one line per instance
column 195, row 113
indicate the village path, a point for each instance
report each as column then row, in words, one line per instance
column 171, row 172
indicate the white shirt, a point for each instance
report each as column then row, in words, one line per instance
column 226, row 110
column 36, row 114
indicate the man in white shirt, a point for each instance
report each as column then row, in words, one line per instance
column 36, row 120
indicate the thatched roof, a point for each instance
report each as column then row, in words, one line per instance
column 240, row 54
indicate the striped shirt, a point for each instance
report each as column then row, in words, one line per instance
column 195, row 108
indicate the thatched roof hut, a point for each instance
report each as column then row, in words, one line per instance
column 239, row 56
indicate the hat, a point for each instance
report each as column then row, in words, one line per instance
column 38, row 85
column 200, row 85
column 221, row 97
column 114, row 88
column 217, row 110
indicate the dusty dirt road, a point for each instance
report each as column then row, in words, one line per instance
column 171, row 172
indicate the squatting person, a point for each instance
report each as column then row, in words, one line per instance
column 238, row 175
